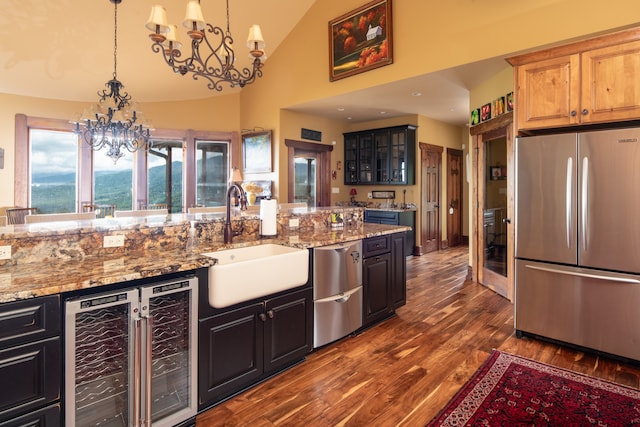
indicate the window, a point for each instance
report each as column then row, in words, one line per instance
column 182, row 163
column 164, row 174
column 54, row 171
column 212, row 172
column 113, row 183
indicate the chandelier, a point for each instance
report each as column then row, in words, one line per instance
column 212, row 56
column 115, row 121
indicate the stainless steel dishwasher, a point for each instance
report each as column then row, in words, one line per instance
column 337, row 291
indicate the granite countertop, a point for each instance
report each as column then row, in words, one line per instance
column 396, row 209
column 52, row 277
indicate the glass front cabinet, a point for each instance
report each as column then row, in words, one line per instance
column 380, row 156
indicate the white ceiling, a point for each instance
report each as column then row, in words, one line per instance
column 63, row 49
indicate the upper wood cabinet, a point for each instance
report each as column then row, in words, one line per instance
column 588, row 82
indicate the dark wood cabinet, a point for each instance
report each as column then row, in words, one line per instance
column 288, row 329
column 407, row 218
column 30, row 359
column 383, row 276
column 241, row 346
column 398, row 270
column 45, row 417
column 230, row 352
column 380, row 156
column 376, row 279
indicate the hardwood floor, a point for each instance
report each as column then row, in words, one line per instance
column 404, row 370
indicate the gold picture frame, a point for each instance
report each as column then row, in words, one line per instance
column 361, row 40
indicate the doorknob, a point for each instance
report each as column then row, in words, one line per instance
column 436, row 206
column 506, row 220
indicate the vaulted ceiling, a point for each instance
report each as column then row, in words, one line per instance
column 63, row 49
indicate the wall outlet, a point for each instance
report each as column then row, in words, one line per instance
column 294, row 222
column 5, row 252
column 113, row 241
column 335, row 190
column 370, row 195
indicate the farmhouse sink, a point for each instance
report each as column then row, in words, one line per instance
column 242, row 274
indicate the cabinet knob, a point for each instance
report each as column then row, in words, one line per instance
column 585, row 112
column 262, row 317
column 270, row 314
column 573, row 113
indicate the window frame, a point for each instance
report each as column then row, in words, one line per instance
column 24, row 123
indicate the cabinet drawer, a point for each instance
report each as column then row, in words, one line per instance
column 33, row 372
column 375, row 246
column 381, row 217
column 29, row 320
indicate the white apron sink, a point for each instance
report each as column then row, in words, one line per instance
column 242, row 274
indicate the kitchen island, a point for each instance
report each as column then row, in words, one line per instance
column 231, row 349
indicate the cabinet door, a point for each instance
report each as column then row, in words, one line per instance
column 398, row 157
column 365, row 158
column 230, row 353
column 288, row 329
column 382, row 155
column 47, row 417
column 350, row 159
column 376, row 285
column 610, row 91
column 398, row 270
column 30, row 377
column 548, row 93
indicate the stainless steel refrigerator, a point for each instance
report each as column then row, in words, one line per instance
column 577, row 245
column 131, row 356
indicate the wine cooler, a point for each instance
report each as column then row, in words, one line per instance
column 131, row 356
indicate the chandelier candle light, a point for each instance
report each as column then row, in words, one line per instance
column 114, row 122
column 216, row 65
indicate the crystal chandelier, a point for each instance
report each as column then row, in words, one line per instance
column 115, row 121
column 216, row 61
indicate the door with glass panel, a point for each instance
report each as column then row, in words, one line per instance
column 494, row 246
column 305, row 188
column 164, row 175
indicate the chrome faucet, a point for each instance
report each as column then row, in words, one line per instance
column 228, row 230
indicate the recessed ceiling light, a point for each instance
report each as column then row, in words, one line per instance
column 382, row 113
column 416, row 94
column 349, row 118
column 340, row 108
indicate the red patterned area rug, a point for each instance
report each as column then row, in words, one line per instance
column 510, row 390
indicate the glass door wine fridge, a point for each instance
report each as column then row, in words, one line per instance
column 131, row 356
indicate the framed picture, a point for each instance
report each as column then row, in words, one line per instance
column 496, row 172
column 509, row 105
column 485, row 112
column 256, row 152
column 361, row 40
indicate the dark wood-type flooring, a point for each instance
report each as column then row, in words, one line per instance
column 405, row 369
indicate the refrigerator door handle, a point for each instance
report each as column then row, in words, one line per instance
column 585, row 275
column 585, row 204
column 569, row 200
column 137, row 359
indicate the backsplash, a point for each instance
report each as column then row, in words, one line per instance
column 72, row 241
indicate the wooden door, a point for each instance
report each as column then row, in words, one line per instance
column 493, row 192
column 430, row 161
column 454, row 196
column 607, row 94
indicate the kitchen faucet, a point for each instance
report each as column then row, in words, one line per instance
column 228, row 230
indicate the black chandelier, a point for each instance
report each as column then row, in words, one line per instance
column 216, row 62
column 114, row 122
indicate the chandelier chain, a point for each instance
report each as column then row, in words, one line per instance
column 115, row 41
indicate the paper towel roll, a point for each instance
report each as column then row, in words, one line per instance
column 268, row 217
